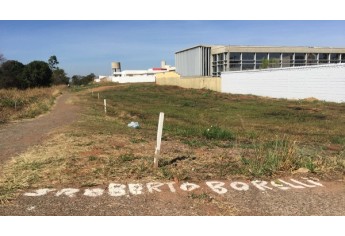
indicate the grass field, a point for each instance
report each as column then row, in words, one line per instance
column 18, row 104
column 206, row 135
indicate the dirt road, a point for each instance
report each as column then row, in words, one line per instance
column 16, row 137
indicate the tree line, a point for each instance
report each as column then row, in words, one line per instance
column 14, row 74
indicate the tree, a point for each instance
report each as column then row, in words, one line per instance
column 53, row 62
column 60, row 77
column 83, row 80
column 11, row 75
column 2, row 58
column 38, row 74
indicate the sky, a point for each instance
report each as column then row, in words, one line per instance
column 89, row 46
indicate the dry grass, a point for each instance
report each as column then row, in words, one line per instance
column 250, row 137
column 18, row 104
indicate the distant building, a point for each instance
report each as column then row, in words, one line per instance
column 211, row 60
column 134, row 76
column 116, row 68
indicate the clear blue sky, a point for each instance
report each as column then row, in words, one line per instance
column 83, row 47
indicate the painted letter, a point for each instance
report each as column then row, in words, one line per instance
column 313, row 182
column 171, row 187
column 291, row 185
column 260, row 185
column 39, row 192
column 242, row 187
column 279, row 185
column 217, row 187
column 305, row 185
column 154, row 187
column 70, row 192
column 135, row 189
column 189, row 186
column 117, row 190
column 94, row 192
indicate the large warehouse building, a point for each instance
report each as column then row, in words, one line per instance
column 211, row 60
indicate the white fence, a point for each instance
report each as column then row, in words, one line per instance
column 324, row 82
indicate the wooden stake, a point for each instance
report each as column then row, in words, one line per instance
column 159, row 139
column 98, row 95
column 105, row 105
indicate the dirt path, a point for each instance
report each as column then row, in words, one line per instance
column 16, row 137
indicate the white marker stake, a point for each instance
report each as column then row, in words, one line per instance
column 105, row 105
column 98, row 95
column 159, row 139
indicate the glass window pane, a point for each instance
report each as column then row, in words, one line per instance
column 300, row 59
column 335, row 58
column 312, row 59
column 248, row 57
column 342, row 58
column 275, row 56
column 235, row 56
column 287, row 60
column 248, row 66
column 235, row 67
column 323, row 58
column 260, row 56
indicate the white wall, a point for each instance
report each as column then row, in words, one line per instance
column 134, row 79
column 324, row 82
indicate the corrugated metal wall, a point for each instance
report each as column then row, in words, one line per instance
column 326, row 82
column 189, row 62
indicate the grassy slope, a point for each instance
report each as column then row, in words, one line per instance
column 207, row 135
column 18, row 104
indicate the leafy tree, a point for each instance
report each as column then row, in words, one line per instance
column 83, row 80
column 60, row 77
column 11, row 75
column 77, row 79
column 2, row 58
column 38, row 74
column 53, row 62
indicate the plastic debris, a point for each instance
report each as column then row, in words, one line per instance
column 134, row 125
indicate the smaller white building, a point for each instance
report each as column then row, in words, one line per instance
column 134, row 76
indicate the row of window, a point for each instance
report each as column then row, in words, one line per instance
column 272, row 60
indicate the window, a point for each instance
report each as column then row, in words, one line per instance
column 235, row 61
column 311, row 59
column 220, row 57
column 274, row 61
column 323, row 58
column 335, row 58
column 214, row 58
column 235, row 67
column 259, row 58
column 300, row 59
column 248, row 61
column 235, row 56
column 287, row 60
column 342, row 58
